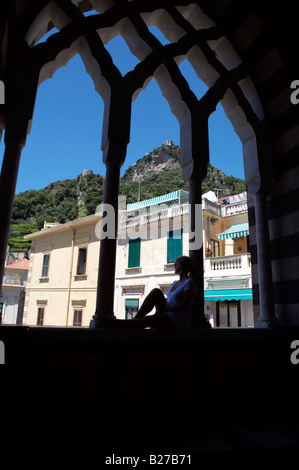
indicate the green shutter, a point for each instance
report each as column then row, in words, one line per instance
column 131, row 308
column 174, row 245
column 134, row 253
column 131, row 303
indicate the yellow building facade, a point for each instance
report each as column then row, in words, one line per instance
column 62, row 276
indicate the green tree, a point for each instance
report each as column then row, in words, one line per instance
column 16, row 240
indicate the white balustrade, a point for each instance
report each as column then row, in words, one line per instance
column 232, row 209
column 235, row 264
column 144, row 217
column 13, row 280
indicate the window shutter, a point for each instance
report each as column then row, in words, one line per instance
column 174, row 245
column 45, row 269
column 131, row 303
column 81, row 265
column 77, row 321
column 131, row 308
column 134, row 253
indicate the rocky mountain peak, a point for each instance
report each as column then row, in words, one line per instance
column 165, row 157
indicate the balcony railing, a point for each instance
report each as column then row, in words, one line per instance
column 222, row 265
column 225, row 210
column 161, row 214
column 155, row 216
column 232, row 209
column 13, row 280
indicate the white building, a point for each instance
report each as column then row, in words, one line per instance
column 13, row 292
column 155, row 233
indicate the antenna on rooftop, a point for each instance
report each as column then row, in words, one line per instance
column 217, row 189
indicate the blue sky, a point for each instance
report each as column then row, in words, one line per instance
column 67, row 125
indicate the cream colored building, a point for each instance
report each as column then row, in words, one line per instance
column 64, row 258
column 62, row 278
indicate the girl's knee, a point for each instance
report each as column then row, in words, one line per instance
column 158, row 294
column 156, row 291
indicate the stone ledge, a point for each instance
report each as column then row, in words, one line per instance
column 73, row 334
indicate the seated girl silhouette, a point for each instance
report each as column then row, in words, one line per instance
column 172, row 312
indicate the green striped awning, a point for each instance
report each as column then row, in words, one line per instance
column 155, row 200
column 235, row 231
column 228, row 294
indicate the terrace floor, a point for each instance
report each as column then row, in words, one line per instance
column 151, row 391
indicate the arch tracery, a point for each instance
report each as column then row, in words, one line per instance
column 192, row 34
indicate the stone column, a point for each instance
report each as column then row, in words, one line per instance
column 8, row 181
column 106, row 274
column 195, row 243
column 266, row 299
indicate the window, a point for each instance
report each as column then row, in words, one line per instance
column 46, row 261
column 77, row 317
column 215, row 247
column 40, row 315
column 174, row 245
column 134, row 253
column 81, row 265
column 131, row 307
column 228, row 313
